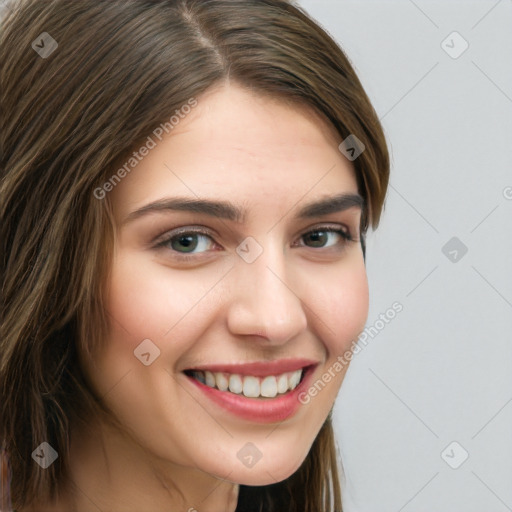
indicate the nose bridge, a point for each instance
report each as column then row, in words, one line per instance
column 265, row 303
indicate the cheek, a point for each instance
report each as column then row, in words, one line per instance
column 143, row 298
column 339, row 309
column 157, row 302
column 146, row 301
column 342, row 306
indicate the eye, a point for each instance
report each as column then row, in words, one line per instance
column 187, row 242
column 326, row 236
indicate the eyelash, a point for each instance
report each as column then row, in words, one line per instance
column 162, row 243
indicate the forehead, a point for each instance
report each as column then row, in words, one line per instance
column 248, row 149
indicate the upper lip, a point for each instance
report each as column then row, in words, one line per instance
column 258, row 368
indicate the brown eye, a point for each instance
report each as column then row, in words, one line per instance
column 188, row 242
column 325, row 237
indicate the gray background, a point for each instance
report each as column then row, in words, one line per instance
column 441, row 370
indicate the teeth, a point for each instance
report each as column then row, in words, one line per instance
column 221, row 382
column 210, row 379
column 249, row 386
column 294, row 379
column 282, row 383
column 199, row 376
column 269, row 387
column 235, row 384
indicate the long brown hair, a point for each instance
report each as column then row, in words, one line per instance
column 109, row 73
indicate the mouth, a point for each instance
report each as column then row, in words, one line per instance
column 263, row 392
column 249, row 386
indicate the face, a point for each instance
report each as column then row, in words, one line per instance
column 238, row 280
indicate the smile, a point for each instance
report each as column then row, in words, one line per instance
column 250, row 386
column 261, row 392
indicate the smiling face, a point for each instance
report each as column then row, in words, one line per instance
column 238, row 261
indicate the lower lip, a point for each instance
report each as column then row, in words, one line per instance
column 268, row 410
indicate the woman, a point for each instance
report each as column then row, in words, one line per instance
column 186, row 186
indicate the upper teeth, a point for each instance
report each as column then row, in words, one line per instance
column 249, row 386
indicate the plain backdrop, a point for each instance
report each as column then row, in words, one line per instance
column 424, row 417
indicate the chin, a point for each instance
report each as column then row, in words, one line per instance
column 268, row 473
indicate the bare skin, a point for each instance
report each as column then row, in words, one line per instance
column 302, row 297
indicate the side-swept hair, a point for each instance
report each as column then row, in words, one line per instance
column 121, row 67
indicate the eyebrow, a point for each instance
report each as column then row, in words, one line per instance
column 229, row 211
column 333, row 204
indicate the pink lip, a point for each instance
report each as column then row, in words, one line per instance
column 257, row 410
column 259, row 369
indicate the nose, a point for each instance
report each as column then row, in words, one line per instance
column 264, row 302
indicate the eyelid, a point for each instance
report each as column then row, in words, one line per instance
column 332, row 228
column 164, row 238
column 161, row 242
